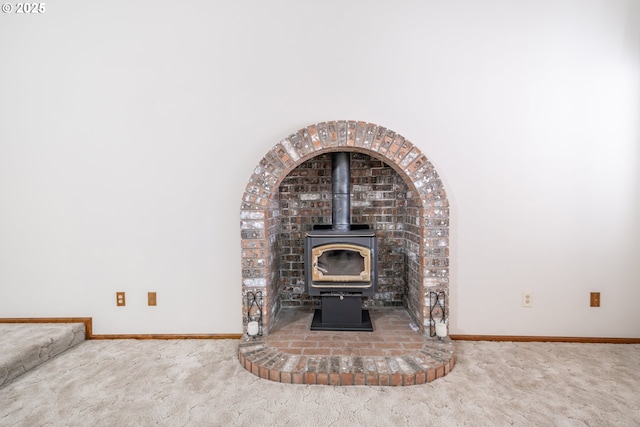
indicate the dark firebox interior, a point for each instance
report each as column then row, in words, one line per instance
column 379, row 198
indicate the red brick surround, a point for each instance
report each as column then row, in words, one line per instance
column 425, row 232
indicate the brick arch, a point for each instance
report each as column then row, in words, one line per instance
column 427, row 239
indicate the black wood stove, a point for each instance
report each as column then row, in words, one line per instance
column 341, row 261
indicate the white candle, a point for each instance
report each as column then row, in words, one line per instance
column 253, row 328
column 441, row 329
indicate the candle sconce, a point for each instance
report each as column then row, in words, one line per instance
column 437, row 300
column 254, row 313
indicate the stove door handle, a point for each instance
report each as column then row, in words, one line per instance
column 315, row 265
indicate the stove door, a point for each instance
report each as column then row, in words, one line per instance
column 341, row 262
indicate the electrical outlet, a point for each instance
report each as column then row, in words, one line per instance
column 595, row 299
column 151, row 298
column 527, row 299
column 120, row 301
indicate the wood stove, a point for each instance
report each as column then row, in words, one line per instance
column 341, row 261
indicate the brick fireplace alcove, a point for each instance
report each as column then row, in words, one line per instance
column 412, row 225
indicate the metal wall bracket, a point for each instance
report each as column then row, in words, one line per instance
column 255, row 303
column 436, row 299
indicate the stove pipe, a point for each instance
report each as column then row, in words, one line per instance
column 340, row 183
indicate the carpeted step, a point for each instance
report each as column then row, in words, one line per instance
column 23, row 346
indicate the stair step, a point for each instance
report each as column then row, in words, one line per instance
column 23, row 346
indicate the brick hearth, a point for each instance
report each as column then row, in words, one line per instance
column 392, row 355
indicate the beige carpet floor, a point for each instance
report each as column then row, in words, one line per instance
column 201, row 383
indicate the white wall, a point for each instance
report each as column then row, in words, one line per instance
column 129, row 130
